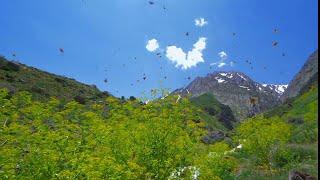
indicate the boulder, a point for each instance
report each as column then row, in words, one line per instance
column 212, row 137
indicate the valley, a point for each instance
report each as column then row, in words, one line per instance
column 222, row 126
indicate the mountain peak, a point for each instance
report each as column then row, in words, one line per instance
column 235, row 89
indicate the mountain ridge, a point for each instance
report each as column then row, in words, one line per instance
column 19, row 77
column 243, row 95
column 305, row 78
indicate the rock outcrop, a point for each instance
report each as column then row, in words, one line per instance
column 307, row 76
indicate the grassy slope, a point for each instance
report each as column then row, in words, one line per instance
column 18, row 77
column 216, row 114
column 302, row 113
column 42, row 85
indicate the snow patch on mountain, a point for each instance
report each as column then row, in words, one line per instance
column 245, row 87
column 279, row 88
column 228, row 75
column 220, row 80
column 242, row 76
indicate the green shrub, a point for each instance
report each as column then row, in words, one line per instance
column 261, row 137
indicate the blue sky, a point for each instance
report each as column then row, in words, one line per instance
column 107, row 39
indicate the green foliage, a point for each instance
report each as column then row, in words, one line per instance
column 126, row 139
column 219, row 163
column 261, row 137
column 280, row 140
column 292, row 155
column 303, row 108
column 306, row 108
column 131, row 141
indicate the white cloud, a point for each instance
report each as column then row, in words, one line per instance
column 200, row 22
column 222, row 62
column 219, row 64
column 187, row 60
column 176, row 55
column 152, row 45
column 223, row 55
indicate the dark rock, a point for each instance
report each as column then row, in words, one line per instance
column 295, row 175
column 80, row 99
column 213, row 137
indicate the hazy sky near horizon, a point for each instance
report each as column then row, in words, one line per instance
column 124, row 41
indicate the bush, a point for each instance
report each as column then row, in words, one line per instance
column 54, row 140
column 261, row 137
column 218, row 163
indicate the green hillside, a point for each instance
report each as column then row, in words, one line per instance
column 298, row 133
column 215, row 112
column 52, row 127
column 18, row 77
column 117, row 139
column 113, row 139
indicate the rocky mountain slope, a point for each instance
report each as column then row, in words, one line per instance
column 244, row 96
column 306, row 77
column 277, row 88
column 18, row 77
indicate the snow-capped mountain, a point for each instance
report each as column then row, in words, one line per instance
column 244, row 96
column 278, row 88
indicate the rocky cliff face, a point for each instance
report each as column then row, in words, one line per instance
column 306, row 77
column 244, row 96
